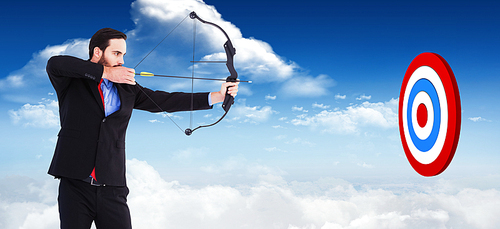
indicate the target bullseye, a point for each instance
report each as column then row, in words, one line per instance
column 429, row 114
column 422, row 115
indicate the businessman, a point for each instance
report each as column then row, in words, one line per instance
column 96, row 99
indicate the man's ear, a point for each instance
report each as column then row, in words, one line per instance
column 97, row 52
column 96, row 56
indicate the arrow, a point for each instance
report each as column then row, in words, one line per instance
column 149, row 74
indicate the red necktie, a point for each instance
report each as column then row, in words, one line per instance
column 102, row 98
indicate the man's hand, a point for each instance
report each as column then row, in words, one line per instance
column 119, row 74
column 219, row 96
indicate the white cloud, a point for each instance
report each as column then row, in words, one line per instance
column 274, row 149
column 280, row 137
column 43, row 115
column 258, row 60
column 244, row 89
column 479, row 119
column 377, row 114
column 27, row 203
column 338, row 96
column 189, row 154
column 320, row 106
column 308, row 86
column 364, row 97
column 171, row 115
column 269, row 97
column 168, row 117
column 255, row 114
column 330, row 121
column 14, row 81
column 296, row 108
column 301, row 142
column 74, row 47
column 165, row 115
column 364, row 165
column 46, row 218
column 272, row 202
column 349, row 121
column 230, row 165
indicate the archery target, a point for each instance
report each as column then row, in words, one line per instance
column 429, row 114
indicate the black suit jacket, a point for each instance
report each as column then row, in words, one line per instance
column 87, row 138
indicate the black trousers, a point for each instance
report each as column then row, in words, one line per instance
column 80, row 203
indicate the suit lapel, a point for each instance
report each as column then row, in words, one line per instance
column 95, row 91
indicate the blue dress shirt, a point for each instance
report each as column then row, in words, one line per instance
column 111, row 98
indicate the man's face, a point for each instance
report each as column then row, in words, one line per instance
column 113, row 55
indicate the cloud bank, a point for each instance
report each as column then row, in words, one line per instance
column 350, row 119
column 271, row 202
column 43, row 115
column 251, row 114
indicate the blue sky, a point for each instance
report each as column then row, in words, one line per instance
column 318, row 126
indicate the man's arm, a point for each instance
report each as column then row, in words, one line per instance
column 68, row 66
column 73, row 67
column 149, row 100
column 61, row 69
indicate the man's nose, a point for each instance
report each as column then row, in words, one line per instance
column 121, row 61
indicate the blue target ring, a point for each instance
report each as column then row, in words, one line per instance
column 426, row 86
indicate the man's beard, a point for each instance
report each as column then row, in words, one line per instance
column 103, row 62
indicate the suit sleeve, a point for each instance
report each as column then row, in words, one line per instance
column 170, row 101
column 61, row 69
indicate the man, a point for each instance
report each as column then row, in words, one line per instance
column 96, row 99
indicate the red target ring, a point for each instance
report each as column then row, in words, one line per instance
column 429, row 114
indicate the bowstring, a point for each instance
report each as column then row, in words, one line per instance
column 158, row 106
column 192, row 77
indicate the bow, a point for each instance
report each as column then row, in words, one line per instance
column 233, row 77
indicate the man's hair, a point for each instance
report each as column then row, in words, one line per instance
column 101, row 39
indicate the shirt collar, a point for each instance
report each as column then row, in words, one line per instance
column 107, row 83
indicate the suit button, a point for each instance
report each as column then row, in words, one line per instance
column 104, row 120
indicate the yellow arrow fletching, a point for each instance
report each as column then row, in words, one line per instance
column 147, row 74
